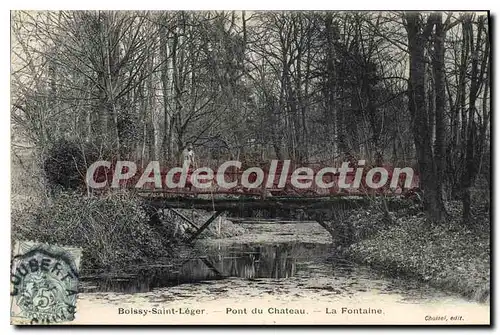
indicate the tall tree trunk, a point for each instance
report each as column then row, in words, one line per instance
column 330, row 88
column 167, row 150
column 439, row 95
column 417, row 35
column 472, row 154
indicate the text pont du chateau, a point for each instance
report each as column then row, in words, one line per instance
column 288, row 311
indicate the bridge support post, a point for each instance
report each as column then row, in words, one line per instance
column 179, row 214
column 205, row 226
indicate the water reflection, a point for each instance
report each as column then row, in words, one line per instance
column 248, row 261
column 266, row 261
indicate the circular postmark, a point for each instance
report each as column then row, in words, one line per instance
column 44, row 282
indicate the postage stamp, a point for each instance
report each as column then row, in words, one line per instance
column 44, row 283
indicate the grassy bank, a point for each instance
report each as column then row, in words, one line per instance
column 112, row 230
column 450, row 256
column 115, row 231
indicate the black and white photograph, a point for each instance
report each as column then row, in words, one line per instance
column 250, row 167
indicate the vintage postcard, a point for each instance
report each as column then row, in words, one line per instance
column 250, row 167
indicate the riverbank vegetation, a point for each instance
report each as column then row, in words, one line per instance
column 115, row 231
column 450, row 255
column 112, row 230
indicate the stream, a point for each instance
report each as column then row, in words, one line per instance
column 284, row 273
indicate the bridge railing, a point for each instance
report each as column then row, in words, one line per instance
column 276, row 182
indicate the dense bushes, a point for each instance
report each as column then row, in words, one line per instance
column 113, row 229
column 66, row 162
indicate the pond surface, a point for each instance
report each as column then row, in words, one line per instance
column 245, row 260
column 271, row 265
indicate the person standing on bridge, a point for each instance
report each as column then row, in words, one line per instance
column 189, row 161
column 188, row 156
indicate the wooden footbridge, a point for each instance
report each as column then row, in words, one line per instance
column 277, row 193
column 316, row 207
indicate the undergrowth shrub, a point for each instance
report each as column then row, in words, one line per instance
column 65, row 164
column 113, row 230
